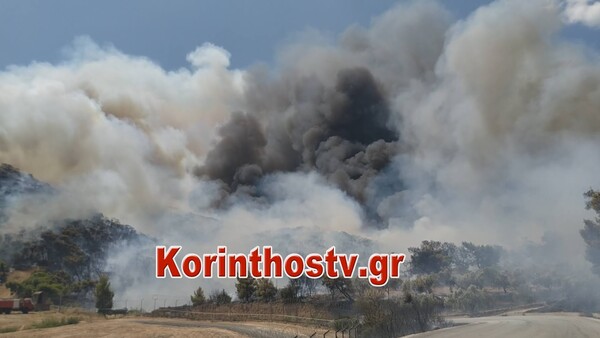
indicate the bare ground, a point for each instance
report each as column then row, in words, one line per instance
column 97, row 326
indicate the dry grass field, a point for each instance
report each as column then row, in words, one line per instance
column 92, row 325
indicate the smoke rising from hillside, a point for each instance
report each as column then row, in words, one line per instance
column 417, row 127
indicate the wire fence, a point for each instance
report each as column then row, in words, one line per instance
column 238, row 316
column 324, row 327
column 169, row 307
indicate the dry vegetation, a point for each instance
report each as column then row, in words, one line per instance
column 25, row 322
column 15, row 276
column 317, row 308
column 93, row 325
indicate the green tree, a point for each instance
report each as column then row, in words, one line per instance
column 342, row 285
column 104, row 295
column 266, row 290
column 482, row 256
column 219, row 297
column 591, row 231
column 371, row 304
column 431, row 257
column 3, row 272
column 421, row 284
column 245, row 287
column 289, row 293
column 308, row 286
column 78, row 247
column 198, row 297
column 54, row 285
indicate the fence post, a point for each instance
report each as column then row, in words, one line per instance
column 355, row 327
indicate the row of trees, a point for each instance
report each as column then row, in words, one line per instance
column 216, row 297
column 433, row 263
column 60, row 288
column 263, row 290
column 434, row 257
column 256, row 290
column 415, row 309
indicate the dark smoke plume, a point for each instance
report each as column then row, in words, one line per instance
column 239, row 155
column 341, row 131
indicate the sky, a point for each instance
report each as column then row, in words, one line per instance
column 166, row 31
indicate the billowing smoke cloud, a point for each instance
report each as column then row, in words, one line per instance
column 417, row 127
column 586, row 12
column 341, row 132
column 117, row 129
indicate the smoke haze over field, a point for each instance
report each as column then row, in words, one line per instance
column 417, row 127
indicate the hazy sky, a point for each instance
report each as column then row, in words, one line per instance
column 165, row 31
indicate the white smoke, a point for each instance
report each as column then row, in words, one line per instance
column 586, row 12
column 117, row 132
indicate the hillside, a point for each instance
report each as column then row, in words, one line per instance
column 72, row 251
column 15, row 276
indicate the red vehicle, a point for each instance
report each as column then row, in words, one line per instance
column 23, row 304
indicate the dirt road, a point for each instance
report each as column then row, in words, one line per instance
column 523, row 326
